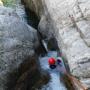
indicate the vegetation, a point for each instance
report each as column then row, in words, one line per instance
column 9, row 3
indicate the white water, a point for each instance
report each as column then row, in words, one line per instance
column 55, row 83
column 45, row 45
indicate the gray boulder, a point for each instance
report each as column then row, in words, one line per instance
column 17, row 42
column 45, row 27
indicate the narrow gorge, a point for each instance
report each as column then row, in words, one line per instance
column 32, row 31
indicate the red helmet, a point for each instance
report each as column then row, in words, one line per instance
column 51, row 61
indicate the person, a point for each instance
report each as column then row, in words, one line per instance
column 60, row 65
column 52, row 63
column 59, row 62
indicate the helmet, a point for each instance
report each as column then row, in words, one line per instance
column 51, row 61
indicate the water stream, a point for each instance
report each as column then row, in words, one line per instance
column 55, row 83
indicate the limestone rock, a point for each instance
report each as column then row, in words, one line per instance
column 84, row 29
column 17, row 42
column 45, row 28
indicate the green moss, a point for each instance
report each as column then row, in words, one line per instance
column 9, row 3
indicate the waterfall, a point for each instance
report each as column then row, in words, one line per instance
column 45, row 45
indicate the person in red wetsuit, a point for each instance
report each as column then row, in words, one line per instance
column 52, row 63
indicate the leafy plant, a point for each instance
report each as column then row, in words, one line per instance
column 9, row 3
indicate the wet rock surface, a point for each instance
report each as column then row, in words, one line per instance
column 30, row 75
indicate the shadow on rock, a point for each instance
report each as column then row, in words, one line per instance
column 28, row 76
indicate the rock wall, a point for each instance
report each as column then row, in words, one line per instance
column 17, row 42
column 69, row 22
column 34, row 5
